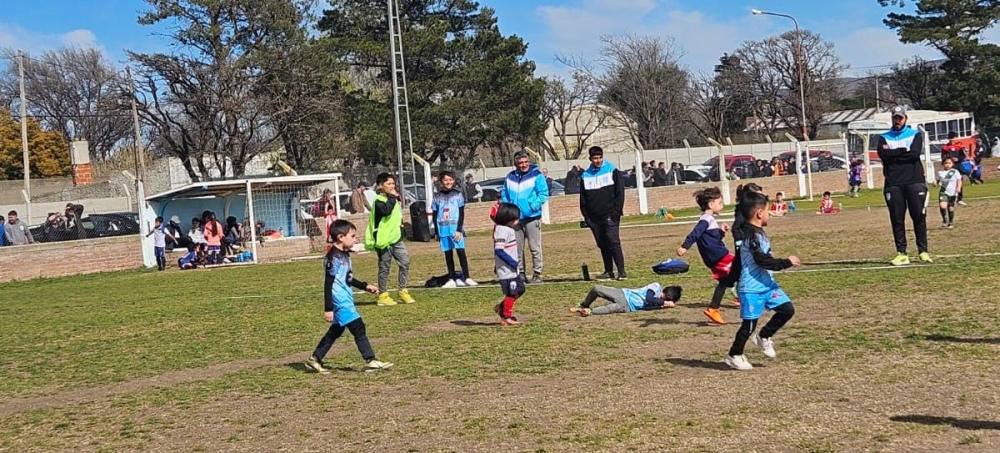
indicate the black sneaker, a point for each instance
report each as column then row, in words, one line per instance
column 622, row 277
column 605, row 277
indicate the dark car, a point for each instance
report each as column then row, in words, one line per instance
column 95, row 226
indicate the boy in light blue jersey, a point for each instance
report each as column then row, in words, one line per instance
column 758, row 291
column 338, row 301
column 627, row 300
column 449, row 218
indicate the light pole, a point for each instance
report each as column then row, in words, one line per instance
column 799, row 57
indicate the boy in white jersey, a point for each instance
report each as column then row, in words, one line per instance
column 950, row 180
column 757, row 289
column 505, row 251
column 160, row 234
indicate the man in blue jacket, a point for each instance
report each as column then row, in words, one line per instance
column 602, row 201
column 525, row 186
column 905, row 188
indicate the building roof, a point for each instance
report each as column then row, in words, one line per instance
column 210, row 189
column 831, row 118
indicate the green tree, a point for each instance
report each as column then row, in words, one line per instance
column 971, row 72
column 48, row 152
column 469, row 86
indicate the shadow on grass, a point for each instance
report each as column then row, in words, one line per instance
column 950, row 339
column 467, row 323
column 695, row 363
column 950, row 421
column 657, row 322
column 299, row 366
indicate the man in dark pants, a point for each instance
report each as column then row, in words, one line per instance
column 602, row 199
column 905, row 186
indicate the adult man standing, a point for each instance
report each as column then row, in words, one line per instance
column 525, row 186
column 905, row 187
column 359, row 204
column 17, row 232
column 473, row 191
column 602, row 201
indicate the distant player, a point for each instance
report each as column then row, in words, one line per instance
column 627, row 300
column 826, row 204
column 449, row 218
column 854, row 178
column 950, row 181
column 506, row 255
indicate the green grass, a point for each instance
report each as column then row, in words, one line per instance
column 132, row 354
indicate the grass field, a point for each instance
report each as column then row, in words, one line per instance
column 901, row 359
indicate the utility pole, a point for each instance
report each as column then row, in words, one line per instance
column 24, row 138
column 878, row 93
column 140, row 164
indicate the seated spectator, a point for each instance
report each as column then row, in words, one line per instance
column 779, row 207
column 234, row 236
column 196, row 233
column 180, row 238
column 826, row 205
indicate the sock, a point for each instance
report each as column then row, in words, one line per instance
column 464, row 262
column 720, row 292
column 449, row 260
column 944, row 215
column 951, row 216
column 508, row 307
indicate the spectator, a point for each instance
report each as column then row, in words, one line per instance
column 525, row 186
column 647, row 174
column 196, row 234
column 16, row 232
column 573, row 180
column 359, row 203
column 74, row 229
column 548, row 180
column 660, row 175
column 234, row 235
column 3, row 240
column 319, row 209
column 213, row 232
column 905, row 189
column 180, row 239
column 602, row 202
column 473, row 191
column 674, row 175
column 778, row 166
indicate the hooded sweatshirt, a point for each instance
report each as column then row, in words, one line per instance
column 529, row 191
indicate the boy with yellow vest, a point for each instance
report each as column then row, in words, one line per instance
column 384, row 235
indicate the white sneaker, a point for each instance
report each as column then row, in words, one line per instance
column 766, row 345
column 449, row 284
column 738, row 363
column 470, row 282
column 962, row 203
column 459, row 283
column 376, row 365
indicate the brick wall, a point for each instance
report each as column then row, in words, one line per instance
column 58, row 259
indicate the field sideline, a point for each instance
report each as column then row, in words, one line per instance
column 876, row 358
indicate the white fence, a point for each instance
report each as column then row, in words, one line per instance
column 686, row 156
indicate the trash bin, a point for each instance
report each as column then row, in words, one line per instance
column 418, row 220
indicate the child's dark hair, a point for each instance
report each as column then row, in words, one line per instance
column 826, row 194
column 750, row 202
column 382, row 178
column 159, row 219
column 705, row 196
column 750, row 186
column 447, row 173
column 340, row 227
column 231, row 220
column 672, row 293
column 506, row 213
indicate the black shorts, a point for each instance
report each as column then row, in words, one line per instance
column 945, row 198
column 513, row 287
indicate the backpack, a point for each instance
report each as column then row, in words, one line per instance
column 671, row 266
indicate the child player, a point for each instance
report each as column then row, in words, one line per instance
column 506, row 254
column 950, row 181
column 708, row 235
column 757, row 289
column 449, row 217
column 338, row 301
column 826, row 204
column 160, row 234
column 854, row 178
column 384, row 235
column 626, row 300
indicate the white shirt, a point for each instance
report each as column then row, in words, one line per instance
column 949, row 181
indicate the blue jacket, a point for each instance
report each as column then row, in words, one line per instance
column 528, row 191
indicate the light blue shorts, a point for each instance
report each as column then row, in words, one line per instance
column 753, row 305
column 449, row 243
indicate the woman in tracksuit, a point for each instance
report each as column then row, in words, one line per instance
column 905, row 187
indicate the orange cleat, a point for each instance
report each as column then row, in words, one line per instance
column 714, row 315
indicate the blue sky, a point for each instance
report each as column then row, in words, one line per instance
column 702, row 29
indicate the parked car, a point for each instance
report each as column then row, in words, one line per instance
column 739, row 164
column 95, row 225
column 694, row 176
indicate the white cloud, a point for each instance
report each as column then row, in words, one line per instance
column 16, row 37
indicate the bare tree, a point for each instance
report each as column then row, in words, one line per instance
column 773, row 70
column 573, row 114
column 205, row 100
column 917, row 82
column 74, row 91
column 642, row 80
